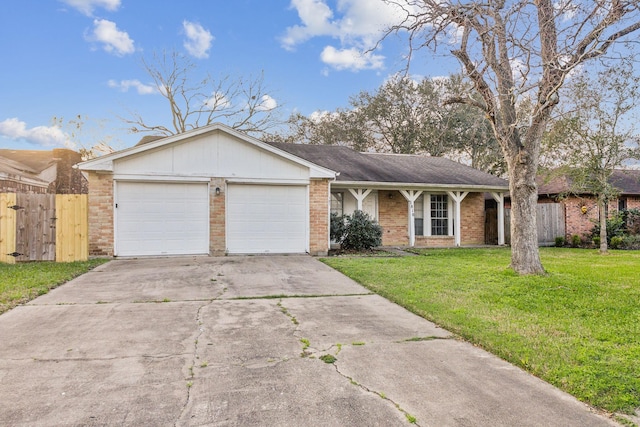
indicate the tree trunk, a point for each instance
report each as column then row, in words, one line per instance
column 525, row 258
column 602, row 204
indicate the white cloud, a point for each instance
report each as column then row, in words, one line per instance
column 87, row 6
column 198, row 40
column 217, row 102
column 359, row 22
column 125, row 85
column 113, row 40
column 46, row 136
column 351, row 59
column 267, row 103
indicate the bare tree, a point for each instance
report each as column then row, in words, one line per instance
column 516, row 48
column 85, row 135
column 194, row 102
column 597, row 133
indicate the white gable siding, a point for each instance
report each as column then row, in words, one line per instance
column 212, row 155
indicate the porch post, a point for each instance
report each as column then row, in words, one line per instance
column 499, row 197
column 360, row 194
column 411, row 197
column 458, row 197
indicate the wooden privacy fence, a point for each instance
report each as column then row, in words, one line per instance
column 549, row 220
column 43, row 227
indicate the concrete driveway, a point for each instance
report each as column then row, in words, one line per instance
column 237, row 341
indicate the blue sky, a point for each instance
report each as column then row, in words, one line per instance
column 68, row 57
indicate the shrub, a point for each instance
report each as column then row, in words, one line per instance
column 616, row 242
column 361, row 232
column 596, row 241
column 632, row 221
column 337, row 227
column 560, row 241
column 631, row 242
column 576, row 241
column 616, row 226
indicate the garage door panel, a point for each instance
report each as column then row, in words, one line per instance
column 267, row 219
column 162, row 218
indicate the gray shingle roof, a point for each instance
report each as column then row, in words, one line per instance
column 391, row 168
column 627, row 181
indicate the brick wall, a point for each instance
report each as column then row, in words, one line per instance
column 633, row 203
column 217, row 224
column 319, row 217
column 393, row 217
column 68, row 179
column 577, row 222
column 472, row 224
column 100, row 214
column 580, row 223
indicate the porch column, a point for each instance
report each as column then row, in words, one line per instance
column 499, row 197
column 360, row 194
column 411, row 197
column 458, row 197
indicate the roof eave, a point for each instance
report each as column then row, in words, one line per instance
column 418, row 186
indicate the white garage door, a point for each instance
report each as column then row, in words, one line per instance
column 267, row 219
column 161, row 218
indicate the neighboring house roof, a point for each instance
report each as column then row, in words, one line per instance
column 38, row 169
column 29, row 161
column 378, row 168
column 149, row 138
column 627, row 181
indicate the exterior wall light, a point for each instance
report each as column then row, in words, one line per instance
column 583, row 209
column 217, row 191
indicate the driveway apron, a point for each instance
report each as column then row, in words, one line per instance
column 251, row 341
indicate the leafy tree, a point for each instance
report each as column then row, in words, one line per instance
column 597, row 133
column 515, row 49
column 194, row 102
column 405, row 116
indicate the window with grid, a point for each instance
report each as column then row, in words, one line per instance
column 337, row 205
column 439, row 215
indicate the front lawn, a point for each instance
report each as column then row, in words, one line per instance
column 22, row 282
column 577, row 328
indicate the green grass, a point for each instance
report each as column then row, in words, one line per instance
column 23, row 282
column 577, row 327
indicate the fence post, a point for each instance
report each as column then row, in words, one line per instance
column 7, row 227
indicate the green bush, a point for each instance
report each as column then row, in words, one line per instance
column 632, row 221
column 631, row 242
column 616, row 226
column 560, row 241
column 576, row 241
column 337, row 227
column 616, row 242
column 596, row 241
column 361, row 232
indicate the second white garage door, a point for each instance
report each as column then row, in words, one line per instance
column 267, row 219
column 161, row 218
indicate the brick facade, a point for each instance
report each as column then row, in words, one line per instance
column 319, row 217
column 217, row 215
column 393, row 217
column 472, row 215
column 581, row 224
column 100, row 214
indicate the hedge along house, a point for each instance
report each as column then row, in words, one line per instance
column 217, row 191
